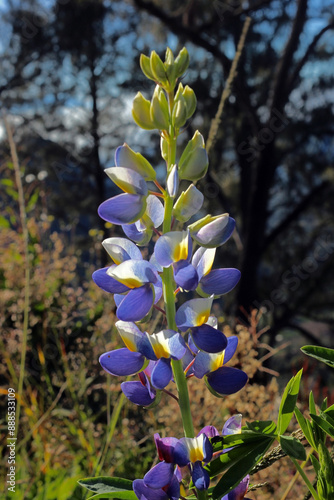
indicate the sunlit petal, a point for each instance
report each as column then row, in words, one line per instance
column 122, row 209
column 137, row 393
column 194, row 312
column 107, row 283
column 128, row 180
column 134, row 273
column 209, row 339
column 220, row 281
column 227, row 380
column 172, row 247
column 122, row 362
column 121, row 249
column 136, row 304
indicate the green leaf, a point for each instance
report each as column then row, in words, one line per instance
column 325, row 422
column 262, row 426
column 315, row 463
column 288, row 403
column 245, row 437
column 312, row 404
column 241, row 468
column 4, row 222
column 109, row 487
column 323, row 354
column 293, row 447
column 229, row 458
column 306, row 427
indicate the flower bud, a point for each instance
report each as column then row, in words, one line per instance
column 159, row 109
column 126, row 157
column 170, row 67
column 173, row 182
column 188, row 204
column 190, row 100
column 158, row 68
column 164, row 148
column 181, row 62
column 211, row 232
column 141, row 112
column 194, row 159
column 145, row 65
column 179, row 116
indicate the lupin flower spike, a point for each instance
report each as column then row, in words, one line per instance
column 190, row 343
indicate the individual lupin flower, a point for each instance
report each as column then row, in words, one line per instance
column 132, row 276
column 159, row 483
column 195, row 451
column 126, row 157
column 194, row 314
column 221, row 380
column 188, row 204
column 174, row 248
column 141, row 231
column 212, row 232
column 140, row 392
column 141, row 347
column 129, row 206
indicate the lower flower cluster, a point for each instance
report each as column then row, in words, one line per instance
column 182, row 457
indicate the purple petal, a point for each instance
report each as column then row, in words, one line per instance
column 160, row 475
column 227, row 380
column 137, row 393
column 107, row 283
column 200, row 476
column 122, row 362
column 161, row 374
column 209, row 430
column 136, row 304
column 208, row 339
column 172, row 247
column 155, row 210
column 121, row 249
column 123, row 208
column 220, row 281
column 214, row 233
column 165, row 447
column 239, row 492
column 173, row 490
column 128, row 180
column 139, row 236
column 181, row 454
column 232, row 344
column 143, row 492
column 134, row 273
column 185, row 275
column 194, row 312
column 232, row 425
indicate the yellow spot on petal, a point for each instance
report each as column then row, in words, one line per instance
column 130, row 282
column 202, row 318
column 196, row 454
column 181, row 250
column 129, row 344
column 160, row 350
column 217, row 361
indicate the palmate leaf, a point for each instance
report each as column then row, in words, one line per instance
column 323, row 354
column 288, row 403
column 109, row 487
column 242, row 467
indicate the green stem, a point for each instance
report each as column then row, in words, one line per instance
column 305, row 479
column 168, row 286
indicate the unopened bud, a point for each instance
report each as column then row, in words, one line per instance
column 158, row 68
column 141, row 112
column 190, row 100
column 159, row 109
column 181, row 62
column 145, row 65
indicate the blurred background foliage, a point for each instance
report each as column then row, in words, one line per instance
column 68, row 73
